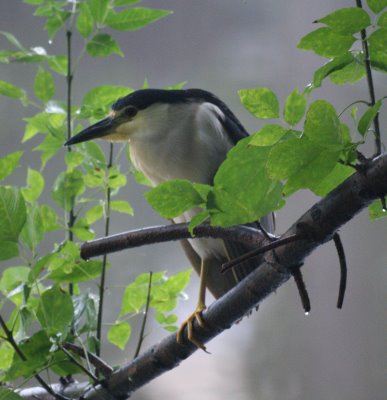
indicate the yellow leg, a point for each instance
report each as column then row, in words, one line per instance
column 197, row 314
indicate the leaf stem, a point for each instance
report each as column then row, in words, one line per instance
column 371, row 89
column 104, row 260
column 148, row 297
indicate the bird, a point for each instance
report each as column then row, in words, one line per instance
column 182, row 134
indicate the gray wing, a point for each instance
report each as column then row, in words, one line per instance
column 220, row 283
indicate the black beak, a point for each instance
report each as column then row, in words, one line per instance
column 98, row 130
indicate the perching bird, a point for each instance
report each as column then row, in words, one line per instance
column 181, row 134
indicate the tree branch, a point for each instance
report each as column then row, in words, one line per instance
column 317, row 225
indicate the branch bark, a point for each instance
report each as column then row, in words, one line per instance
column 316, row 226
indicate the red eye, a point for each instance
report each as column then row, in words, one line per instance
column 131, row 112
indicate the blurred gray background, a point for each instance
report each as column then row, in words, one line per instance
column 277, row 353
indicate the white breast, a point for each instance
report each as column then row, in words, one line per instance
column 184, row 141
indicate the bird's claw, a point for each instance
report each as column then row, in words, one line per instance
column 196, row 315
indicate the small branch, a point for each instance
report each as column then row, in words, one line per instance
column 69, row 80
column 79, row 365
column 297, row 275
column 343, row 269
column 104, row 260
column 254, row 253
column 148, row 297
column 160, row 234
column 367, row 64
column 100, row 365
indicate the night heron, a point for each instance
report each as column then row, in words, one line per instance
column 181, row 134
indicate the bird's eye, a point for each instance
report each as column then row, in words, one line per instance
column 131, row 112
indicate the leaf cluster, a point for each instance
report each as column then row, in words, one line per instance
column 310, row 147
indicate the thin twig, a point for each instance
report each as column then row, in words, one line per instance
column 254, row 253
column 104, row 260
column 98, row 363
column 15, row 346
column 371, row 89
column 148, row 297
column 343, row 269
column 297, row 276
column 69, row 80
column 79, row 365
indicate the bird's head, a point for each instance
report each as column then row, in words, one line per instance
column 152, row 109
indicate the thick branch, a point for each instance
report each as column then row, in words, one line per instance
column 317, row 225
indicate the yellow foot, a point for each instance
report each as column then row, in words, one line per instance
column 197, row 314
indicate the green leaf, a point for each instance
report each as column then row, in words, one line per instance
column 8, row 249
column 377, row 5
column 58, row 64
column 49, row 218
column 122, row 207
column 9, row 90
column 93, row 153
column 322, row 125
column 382, row 21
column 36, row 350
column 302, row 162
column 243, row 191
column 377, row 40
column 12, row 277
column 33, row 231
column 336, row 64
column 94, row 214
column 198, row 219
column 102, row 45
column 6, row 356
column 85, row 20
column 82, row 230
column 67, row 187
column 134, row 18
column 98, row 9
column 55, row 311
column 98, row 100
column 170, row 199
column 367, row 118
column 12, row 39
column 336, row 176
column 347, row 20
column 119, row 334
column 81, row 271
column 350, row 73
column 261, row 102
column 35, row 186
column 96, row 178
column 73, row 159
column 49, row 148
column 8, row 394
column 12, row 213
column 376, row 211
column 295, row 106
column 268, row 135
column 326, row 42
column 9, row 163
column 378, row 60
column 45, row 123
column 115, row 178
column 55, row 22
column 44, row 86
column 118, row 3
